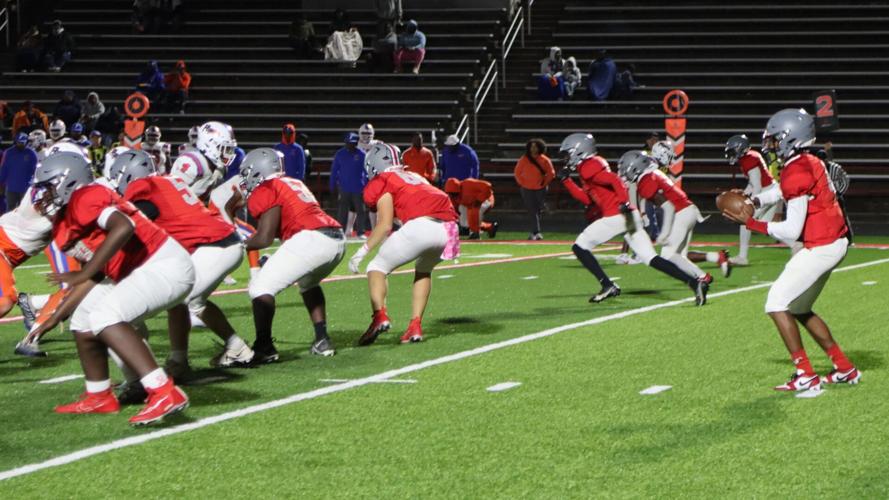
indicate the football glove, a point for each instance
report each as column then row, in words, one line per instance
column 355, row 261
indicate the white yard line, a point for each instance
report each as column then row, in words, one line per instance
column 352, row 384
column 655, row 389
column 59, row 380
column 390, row 381
column 503, row 386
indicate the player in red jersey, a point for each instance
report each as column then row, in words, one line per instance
column 312, row 245
column 759, row 182
column 214, row 245
column 428, row 235
column 477, row 197
column 131, row 269
column 814, row 216
column 619, row 217
column 680, row 215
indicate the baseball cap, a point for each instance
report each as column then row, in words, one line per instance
column 21, row 138
column 452, row 140
column 95, row 133
column 352, row 138
column 77, row 128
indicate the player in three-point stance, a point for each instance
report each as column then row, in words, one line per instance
column 312, row 244
column 131, row 269
column 619, row 217
column 429, row 234
column 814, row 216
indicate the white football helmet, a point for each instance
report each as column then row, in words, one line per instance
column 152, row 135
column 193, row 135
column 381, row 158
column 195, row 170
column 366, row 133
column 577, row 147
column 69, row 147
column 37, row 139
column 663, row 153
column 56, row 130
column 216, row 141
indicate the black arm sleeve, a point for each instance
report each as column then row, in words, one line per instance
column 148, row 208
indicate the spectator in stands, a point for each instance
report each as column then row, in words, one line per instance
column 551, row 82
column 388, row 13
column 533, row 173
column 340, row 21
column 302, row 37
column 28, row 48
column 109, row 124
column 176, row 84
column 383, row 56
column 58, row 47
column 29, row 118
column 603, row 72
column 625, row 83
column 152, row 16
column 150, row 81
column 303, row 140
column 419, row 159
column 411, row 48
column 553, row 63
column 294, row 156
column 16, row 170
column 348, row 177
column 92, row 110
column 572, row 77
column 458, row 160
column 97, row 152
column 68, row 109
column 344, row 43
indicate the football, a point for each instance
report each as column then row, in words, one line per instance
column 735, row 203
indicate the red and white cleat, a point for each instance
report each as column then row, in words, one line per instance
column 850, row 377
column 379, row 324
column 725, row 265
column 92, row 402
column 800, row 381
column 165, row 400
column 414, row 332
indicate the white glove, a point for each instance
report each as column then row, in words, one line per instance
column 356, row 259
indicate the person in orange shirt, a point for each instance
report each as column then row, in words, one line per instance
column 28, row 119
column 478, row 197
column 533, row 172
column 176, row 84
column 419, row 159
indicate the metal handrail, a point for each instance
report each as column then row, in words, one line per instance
column 460, row 133
column 515, row 30
column 4, row 15
column 484, row 88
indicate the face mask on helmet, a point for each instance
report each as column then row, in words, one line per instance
column 575, row 148
column 788, row 132
column 152, row 136
column 57, row 130
column 663, row 153
column 56, row 179
column 258, row 166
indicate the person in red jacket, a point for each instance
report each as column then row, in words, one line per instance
column 428, row 235
column 131, row 269
column 478, row 197
column 619, row 217
column 814, row 216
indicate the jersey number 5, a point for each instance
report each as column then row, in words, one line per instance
column 184, row 191
column 302, row 192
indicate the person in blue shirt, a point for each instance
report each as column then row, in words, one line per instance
column 411, row 47
column 235, row 167
column 603, row 72
column 150, row 81
column 77, row 136
column 348, row 177
column 457, row 160
column 16, row 170
column 294, row 156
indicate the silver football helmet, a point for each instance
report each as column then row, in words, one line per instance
column 788, row 132
column 633, row 164
column 735, row 147
column 127, row 167
column 56, row 179
column 577, row 147
column 258, row 166
column 380, row 158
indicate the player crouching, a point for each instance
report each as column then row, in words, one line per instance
column 813, row 215
column 131, row 269
column 477, row 197
column 313, row 244
column 428, row 235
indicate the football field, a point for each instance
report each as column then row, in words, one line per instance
column 521, row 389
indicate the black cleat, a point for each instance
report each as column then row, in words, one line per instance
column 492, row 233
column 474, row 236
column 463, row 231
column 701, row 288
column 264, row 352
column 611, row 290
column 323, row 347
column 29, row 349
column 29, row 315
column 132, row 393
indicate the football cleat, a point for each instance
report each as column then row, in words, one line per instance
column 29, row 349
column 739, row 261
column 463, row 231
column 851, row 377
column 492, row 232
column 323, row 347
column 800, row 381
column 725, row 265
column 165, row 400
column 228, row 280
column 233, row 358
column 701, row 288
column 29, row 312
column 414, row 332
column 92, row 402
column 611, row 290
column 264, row 352
column 131, row 393
column 379, row 324
column 474, row 236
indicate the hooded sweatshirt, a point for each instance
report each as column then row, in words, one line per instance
column 552, row 64
column 412, row 38
column 571, row 73
column 294, row 156
column 92, row 111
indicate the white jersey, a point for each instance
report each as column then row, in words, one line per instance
column 160, row 151
column 26, row 227
column 222, row 194
column 63, row 145
column 194, row 168
column 367, row 147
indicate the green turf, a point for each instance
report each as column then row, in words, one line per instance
column 576, row 427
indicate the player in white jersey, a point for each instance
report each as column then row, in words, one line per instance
column 37, row 142
column 159, row 150
column 366, row 142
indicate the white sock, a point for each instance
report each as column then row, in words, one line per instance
column 155, row 379
column 686, row 266
column 712, row 256
column 39, row 301
column 744, row 246
column 179, row 356
column 234, row 343
column 350, row 222
column 98, row 386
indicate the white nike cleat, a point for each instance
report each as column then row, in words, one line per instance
column 799, row 381
column 229, row 358
column 850, row 377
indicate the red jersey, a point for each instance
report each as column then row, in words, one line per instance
column 806, row 175
column 412, row 196
column 602, row 185
column 180, row 213
column 299, row 209
column 79, row 234
column 753, row 160
column 656, row 182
